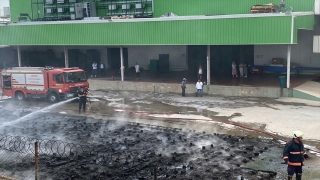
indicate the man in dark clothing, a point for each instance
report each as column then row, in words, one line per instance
column 294, row 155
column 282, row 5
column 184, row 86
column 82, row 94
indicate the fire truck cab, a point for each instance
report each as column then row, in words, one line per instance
column 52, row 84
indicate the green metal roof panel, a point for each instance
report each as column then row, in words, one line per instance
column 179, row 7
column 219, row 7
column 253, row 30
column 258, row 30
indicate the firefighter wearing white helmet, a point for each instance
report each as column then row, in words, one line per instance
column 294, row 155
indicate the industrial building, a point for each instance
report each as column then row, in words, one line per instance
column 179, row 34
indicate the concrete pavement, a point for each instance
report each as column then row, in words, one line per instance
column 281, row 116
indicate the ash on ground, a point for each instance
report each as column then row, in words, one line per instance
column 107, row 149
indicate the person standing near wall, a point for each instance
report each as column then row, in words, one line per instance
column 241, row 69
column 200, row 73
column 234, row 69
column 184, row 86
column 102, row 69
column 245, row 69
column 137, row 67
column 94, row 69
column 199, row 86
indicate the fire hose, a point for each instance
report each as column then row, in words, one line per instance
column 147, row 115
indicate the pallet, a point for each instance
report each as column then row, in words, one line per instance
column 264, row 9
column 261, row 11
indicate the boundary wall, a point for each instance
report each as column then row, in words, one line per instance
column 242, row 91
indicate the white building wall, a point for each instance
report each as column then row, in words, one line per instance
column 301, row 53
column 143, row 55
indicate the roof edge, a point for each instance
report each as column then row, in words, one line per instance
column 176, row 18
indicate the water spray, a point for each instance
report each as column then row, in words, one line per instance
column 36, row 112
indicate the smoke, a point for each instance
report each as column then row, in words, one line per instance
column 117, row 125
column 224, row 165
column 202, row 143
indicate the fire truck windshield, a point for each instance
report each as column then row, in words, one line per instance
column 72, row 77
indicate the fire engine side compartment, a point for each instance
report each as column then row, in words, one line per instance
column 6, row 84
column 30, row 82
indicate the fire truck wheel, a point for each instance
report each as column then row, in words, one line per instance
column 19, row 95
column 52, row 97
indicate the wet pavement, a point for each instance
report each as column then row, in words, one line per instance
column 187, row 134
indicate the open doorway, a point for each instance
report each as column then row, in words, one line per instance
column 221, row 57
column 114, row 60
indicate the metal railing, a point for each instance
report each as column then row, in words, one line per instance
column 29, row 158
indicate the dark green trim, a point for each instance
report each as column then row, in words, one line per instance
column 302, row 95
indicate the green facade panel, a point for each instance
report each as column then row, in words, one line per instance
column 35, row 8
column 302, row 22
column 222, row 7
column 258, row 30
column 179, row 7
column 24, row 6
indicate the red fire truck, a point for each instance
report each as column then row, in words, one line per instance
column 52, row 84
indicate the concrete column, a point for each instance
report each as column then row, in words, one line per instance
column 19, row 56
column 208, row 64
column 122, row 68
column 288, row 65
column 66, row 57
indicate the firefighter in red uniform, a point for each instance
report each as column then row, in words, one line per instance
column 294, row 155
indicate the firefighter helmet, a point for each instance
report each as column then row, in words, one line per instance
column 297, row 134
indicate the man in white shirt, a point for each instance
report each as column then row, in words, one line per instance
column 199, row 88
column 94, row 69
column 137, row 70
